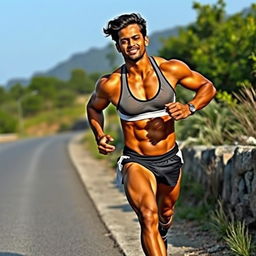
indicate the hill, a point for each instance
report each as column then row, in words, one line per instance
column 95, row 59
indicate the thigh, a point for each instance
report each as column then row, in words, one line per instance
column 140, row 187
column 167, row 196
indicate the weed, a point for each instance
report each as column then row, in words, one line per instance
column 219, row 221
column 238, row 239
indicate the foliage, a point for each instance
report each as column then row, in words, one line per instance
column 81, row 82
column 210, row 126
column 8, row 124
column 223, row 49
column 245, row 114
column 191, row 205
column 16, row 91
column 238, row 239
column 65, row 98
column 226, row 98
column 219, row 220
column 31, row 104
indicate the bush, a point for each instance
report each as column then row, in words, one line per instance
column 8, row 124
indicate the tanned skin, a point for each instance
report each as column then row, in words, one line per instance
column 150, row 200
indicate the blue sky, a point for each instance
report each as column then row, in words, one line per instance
column 37, row 34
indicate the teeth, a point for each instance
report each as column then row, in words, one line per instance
column 133, row 51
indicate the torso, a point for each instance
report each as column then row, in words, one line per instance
column 152, row 136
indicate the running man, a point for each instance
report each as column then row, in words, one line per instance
column 143, row 91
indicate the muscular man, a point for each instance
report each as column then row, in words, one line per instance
column 143, row 91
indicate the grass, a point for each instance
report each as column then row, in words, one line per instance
column 235, row 234
column 53, row 121
column 238, row 239
column 219, row 221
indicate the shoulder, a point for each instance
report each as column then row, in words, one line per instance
column 108, row 84
column 177, row 68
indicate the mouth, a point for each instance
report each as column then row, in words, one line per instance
column 132, row 51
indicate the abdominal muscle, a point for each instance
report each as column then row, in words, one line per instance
column 154, row 136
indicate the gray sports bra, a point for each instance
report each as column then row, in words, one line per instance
column 132, row 109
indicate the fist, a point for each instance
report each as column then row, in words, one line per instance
column 103, row 144
column 178, row 110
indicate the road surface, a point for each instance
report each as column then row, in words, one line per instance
column 44, row 208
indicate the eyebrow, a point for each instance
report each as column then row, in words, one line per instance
column 124, row 38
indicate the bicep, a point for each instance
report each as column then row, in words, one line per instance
column 98, row 102
column 193, row 80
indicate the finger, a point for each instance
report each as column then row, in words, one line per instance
column 176, row 114
column 179, row 117
column 109, row 137
column 170, row 104
column 107, row 149
column 106, row 145
column 102, row 152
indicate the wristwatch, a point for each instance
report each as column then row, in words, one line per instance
column 192, row 108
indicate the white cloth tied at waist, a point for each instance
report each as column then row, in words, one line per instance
column 119, row 168
column 153, row 114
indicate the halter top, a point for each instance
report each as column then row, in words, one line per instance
column 131, row 108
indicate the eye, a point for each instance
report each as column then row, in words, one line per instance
column 123, row 41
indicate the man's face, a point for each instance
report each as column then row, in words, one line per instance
column 131, row 43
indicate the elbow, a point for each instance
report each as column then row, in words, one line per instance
column 212, row 91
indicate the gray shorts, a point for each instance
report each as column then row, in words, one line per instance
column 166, row 167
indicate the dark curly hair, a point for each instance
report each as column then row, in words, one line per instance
column 115, row 25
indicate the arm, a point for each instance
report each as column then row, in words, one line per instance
column 97, row 103
column 205, row 90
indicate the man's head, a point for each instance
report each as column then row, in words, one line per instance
column 115, row 25
column 130, row 34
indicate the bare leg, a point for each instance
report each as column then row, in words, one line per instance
column 166, row 198
column 140, row 188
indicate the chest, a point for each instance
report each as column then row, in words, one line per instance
column 143, row 88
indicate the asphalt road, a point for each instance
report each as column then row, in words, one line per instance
column 44, row 209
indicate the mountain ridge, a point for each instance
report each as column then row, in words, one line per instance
column 95, row 59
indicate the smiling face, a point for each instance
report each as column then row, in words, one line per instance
column 132, row 44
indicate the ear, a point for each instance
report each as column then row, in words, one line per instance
column 146, row 40
column 118, row 48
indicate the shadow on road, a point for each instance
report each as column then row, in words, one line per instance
column 123, row 207
column 10, row 254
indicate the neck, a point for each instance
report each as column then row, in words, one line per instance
column 142, row 66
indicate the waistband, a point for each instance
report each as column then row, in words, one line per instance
column 129, row 152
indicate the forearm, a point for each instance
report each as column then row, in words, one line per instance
column 203, row 95
column 96, row 121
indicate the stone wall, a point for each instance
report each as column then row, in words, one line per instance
column 227, row 173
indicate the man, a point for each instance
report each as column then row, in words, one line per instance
column 143, row 90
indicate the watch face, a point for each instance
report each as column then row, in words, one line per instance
column 192, row 108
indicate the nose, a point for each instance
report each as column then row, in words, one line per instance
column 131, row 43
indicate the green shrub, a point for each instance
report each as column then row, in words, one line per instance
column 8, row 124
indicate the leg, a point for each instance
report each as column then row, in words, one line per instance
column 166, row 198
column 140, row 188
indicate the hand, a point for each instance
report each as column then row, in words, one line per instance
column 178, row 110
column 104, row 146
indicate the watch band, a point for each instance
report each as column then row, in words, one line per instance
column 192, row 108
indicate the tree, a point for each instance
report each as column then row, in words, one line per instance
column 220, row 47
column 32, row 104
column 16, row 91
column 8, row 123
column 80, row 81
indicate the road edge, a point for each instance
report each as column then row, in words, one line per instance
column 111, row 203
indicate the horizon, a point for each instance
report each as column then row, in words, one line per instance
column 55, row 34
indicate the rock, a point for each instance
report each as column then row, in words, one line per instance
column 227, row 173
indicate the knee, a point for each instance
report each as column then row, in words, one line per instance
column 148, row 218
column 166, row 214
